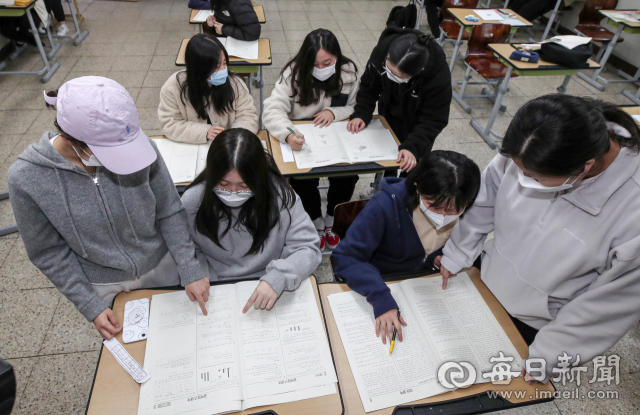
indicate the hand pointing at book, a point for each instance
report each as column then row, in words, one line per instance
column 264, row 297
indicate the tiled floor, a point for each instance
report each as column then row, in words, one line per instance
column 53, row 349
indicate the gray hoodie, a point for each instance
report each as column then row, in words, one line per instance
column 567, row 264
column 290, row 253
column 78, row 232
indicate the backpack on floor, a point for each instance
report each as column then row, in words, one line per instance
column 403, row 16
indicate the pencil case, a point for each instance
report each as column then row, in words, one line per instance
column 524, row 56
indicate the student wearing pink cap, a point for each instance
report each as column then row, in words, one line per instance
column 96, row 207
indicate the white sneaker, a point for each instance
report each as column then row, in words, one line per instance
column 63, row 29
column 42, row 30
column 369, row 193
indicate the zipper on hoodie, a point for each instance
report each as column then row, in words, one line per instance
column 94, row 177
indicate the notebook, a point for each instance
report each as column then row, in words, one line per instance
column 334, row 144
column 185, row 161
column 452, row 325
column 228, row 361
column 240, row 48
column 203, row 15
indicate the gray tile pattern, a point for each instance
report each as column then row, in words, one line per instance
column 53, row 349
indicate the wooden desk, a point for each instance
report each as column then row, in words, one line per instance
column 622, row 26
column 262, row 135
column 353, row 404
column 48, row 70
column 114, row 392
column 467, row 25
column 258, row 9
column 632, row 111
column 343, row 169
column 543, row 68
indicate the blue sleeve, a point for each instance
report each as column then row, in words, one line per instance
column 352, row 258
column 200, row 4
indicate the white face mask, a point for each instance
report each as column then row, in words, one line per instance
column 530, row 183
column 233, row 199
column 394, row 78
column 438, row 220
column 324, row 73
column 92, row 162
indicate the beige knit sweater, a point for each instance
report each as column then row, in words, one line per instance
column 280, row 108
column 181, row 123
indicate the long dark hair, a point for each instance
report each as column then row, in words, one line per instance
column 557, row 134
column 409, row 52
column 301, row 78
column 202, row 57
column 241, row 150
column 445, row 178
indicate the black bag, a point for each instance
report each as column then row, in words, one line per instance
column 403, row 16
column 576, row 58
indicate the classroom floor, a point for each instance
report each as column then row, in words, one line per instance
column 53, row 349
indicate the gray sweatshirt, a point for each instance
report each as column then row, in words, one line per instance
column 78, row 232
column 290, row 253
column 568, row 264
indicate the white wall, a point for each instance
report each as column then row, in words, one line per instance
column 629, row 50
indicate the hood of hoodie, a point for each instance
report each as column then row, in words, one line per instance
column 43, row 154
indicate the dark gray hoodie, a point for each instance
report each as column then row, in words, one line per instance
column 79, row 232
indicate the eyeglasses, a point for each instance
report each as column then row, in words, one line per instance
column 229, row 192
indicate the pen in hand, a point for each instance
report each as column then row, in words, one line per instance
column 393, row 339
column 298, row 137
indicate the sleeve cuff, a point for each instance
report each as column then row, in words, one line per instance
column 275, row 281
column 449, row 264
column 93, row 308
column 382, row 302
column 191, row 274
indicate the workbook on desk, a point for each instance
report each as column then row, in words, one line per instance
column 240, row 48
column 452, row 325
column 184, row 161
column 203, row 15
column 228, row 361
column 335, row 144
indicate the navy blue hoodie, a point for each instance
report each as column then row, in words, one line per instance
column 382, row 240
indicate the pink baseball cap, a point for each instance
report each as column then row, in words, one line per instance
column 100, row 112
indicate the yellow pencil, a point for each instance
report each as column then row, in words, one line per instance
column 393, row 339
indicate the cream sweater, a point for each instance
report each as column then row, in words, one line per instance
column 280, row 108
column 181, row 123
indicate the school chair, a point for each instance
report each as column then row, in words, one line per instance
column 449, row 29
column 589, row 23
column 480, row 59
column 343, row 216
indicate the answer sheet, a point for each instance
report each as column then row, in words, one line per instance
column 488, row 14
column 228, row 361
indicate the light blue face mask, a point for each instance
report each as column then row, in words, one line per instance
column 218, row 78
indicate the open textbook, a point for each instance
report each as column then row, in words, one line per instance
column 184, row 161
column 452, row 325
column 228, row 361
column 334, row 144
column 240, row 48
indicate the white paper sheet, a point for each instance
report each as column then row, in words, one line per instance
column 126, row 361
column 184, row 161
column 203, row 15
column 636, row 117
column 488, row 14
column 383, row 379
column 283, row 349
column 241, row 48
column 287, row 152
column 513, row 22
column 322, row 147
